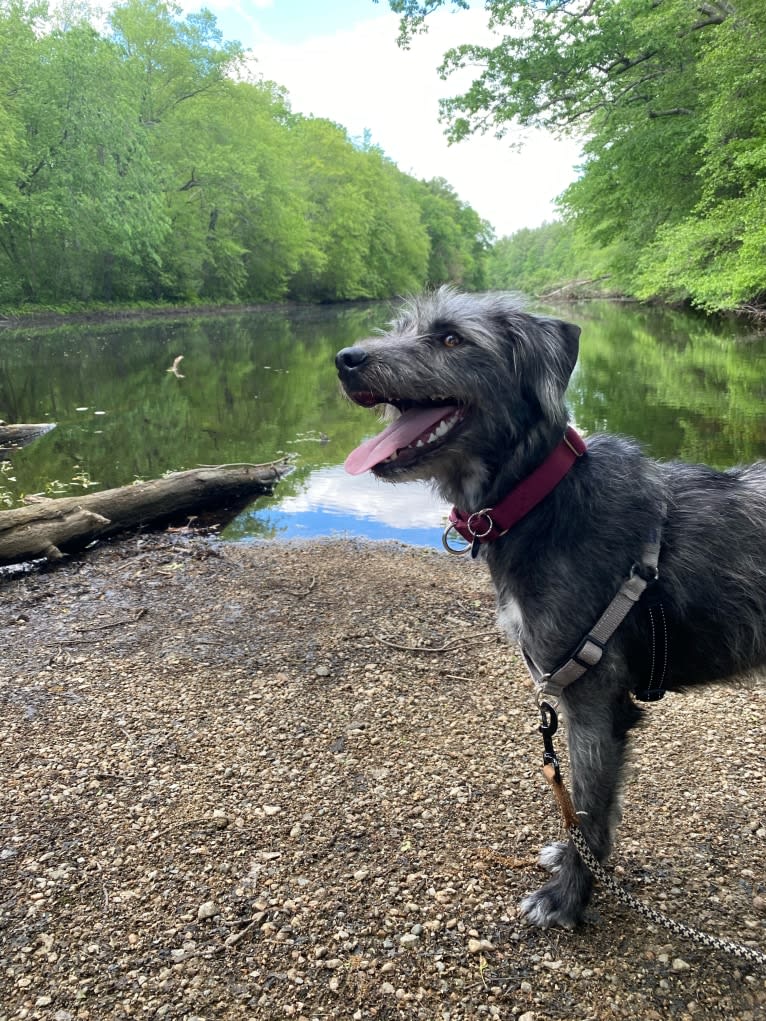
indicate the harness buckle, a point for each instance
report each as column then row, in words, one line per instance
column 589, row 651
column 578, row 451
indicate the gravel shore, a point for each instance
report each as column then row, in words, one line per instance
column 282, row 781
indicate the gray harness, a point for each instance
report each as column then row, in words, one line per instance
column 590, row 650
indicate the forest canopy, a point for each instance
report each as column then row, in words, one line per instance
column 141, row 161
column 670, row 99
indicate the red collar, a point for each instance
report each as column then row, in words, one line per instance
column 491, row 523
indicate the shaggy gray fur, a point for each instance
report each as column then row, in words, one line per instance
column 559, row 567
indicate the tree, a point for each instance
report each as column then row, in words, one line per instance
column 558, row 63
column 233, row 196
column 82, row 201
column 717, row 252
column 554, row 258
column 459, row 239
column 670, row 97
column 179, row 59
column 367, row 239
column 137, row 161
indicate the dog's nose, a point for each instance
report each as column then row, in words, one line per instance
column 350, row 358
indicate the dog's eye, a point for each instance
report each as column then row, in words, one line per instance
column 451, row 339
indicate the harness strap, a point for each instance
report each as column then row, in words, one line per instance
column 658, row 666
column 590, row 650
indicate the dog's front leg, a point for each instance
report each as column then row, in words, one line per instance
column 597, row 728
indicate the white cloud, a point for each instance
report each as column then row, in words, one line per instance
column 360, row 78
column 413, row 505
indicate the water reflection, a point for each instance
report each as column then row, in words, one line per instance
column 328, row 499
column 252, row 386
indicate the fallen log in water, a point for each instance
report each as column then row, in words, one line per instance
column 14, row 437
column 52, row 527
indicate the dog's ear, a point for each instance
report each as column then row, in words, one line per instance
column 562, row 343
column 570, row 338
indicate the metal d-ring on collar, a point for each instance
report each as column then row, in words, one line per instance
column 476, row 535
column 515, row 505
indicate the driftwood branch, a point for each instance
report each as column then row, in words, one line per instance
column 13, row 437
column 51, row 527
column 572, row 285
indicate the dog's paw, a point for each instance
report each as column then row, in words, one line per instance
column 551, row 856
column 561, row 902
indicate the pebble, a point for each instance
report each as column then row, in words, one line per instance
column 207, row 910
column 373, row 890
column 476, row 946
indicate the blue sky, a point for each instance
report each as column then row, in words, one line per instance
column 297, row 20
column 339, row 59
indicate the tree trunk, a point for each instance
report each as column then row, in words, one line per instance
column 51, row 527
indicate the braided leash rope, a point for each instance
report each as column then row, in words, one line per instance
column 552, row 774
column 728, row 946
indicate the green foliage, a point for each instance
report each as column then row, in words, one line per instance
column 366, row 238
column 460, row 241
column 83, row 202
column 555, row 258
column 138, row 164
column 670, row 98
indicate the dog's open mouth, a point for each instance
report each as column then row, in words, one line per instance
column 420, row 428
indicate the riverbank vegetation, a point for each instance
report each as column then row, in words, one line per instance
column 144, row 161
column 670, row 99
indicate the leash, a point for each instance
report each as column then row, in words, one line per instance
column 552, row 773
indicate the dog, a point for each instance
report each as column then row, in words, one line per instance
column 475, row 388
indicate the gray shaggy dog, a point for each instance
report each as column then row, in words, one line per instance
column 475, row 386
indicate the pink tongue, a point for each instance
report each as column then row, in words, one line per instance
column 408, row 428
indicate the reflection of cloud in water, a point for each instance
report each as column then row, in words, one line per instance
column 404, row 506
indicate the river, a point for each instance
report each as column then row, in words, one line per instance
column 253, row 386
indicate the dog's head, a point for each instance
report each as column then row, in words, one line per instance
column 470, row 381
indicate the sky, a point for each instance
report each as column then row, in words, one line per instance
column 339, row 59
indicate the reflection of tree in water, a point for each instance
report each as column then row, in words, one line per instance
column 254, row 386
column 685, row 386
column 261, row 384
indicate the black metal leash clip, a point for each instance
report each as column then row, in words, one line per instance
column 548, row 727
